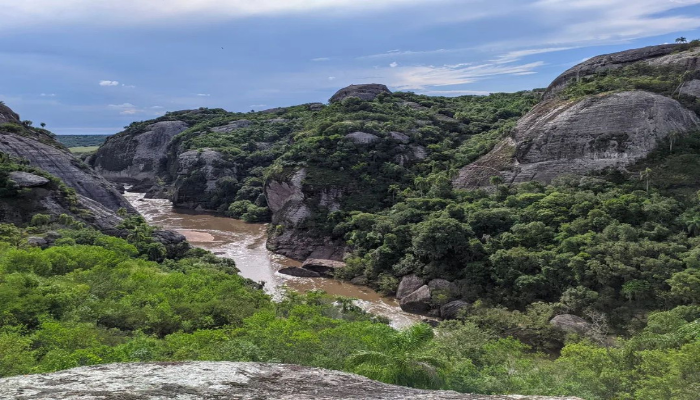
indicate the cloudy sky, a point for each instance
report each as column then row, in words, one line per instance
column 94, row 66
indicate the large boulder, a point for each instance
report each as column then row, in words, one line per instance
column 27, row 180
column 662, row 55
column 453, row 309
column 408, row 285
column 214, row 380
column 299, row 272
column 418, row 302
column 198, row 175
column 323, row 267
column 366, row 92
column 443, row 288
column 577, row 137
column 362, row 137
column 571, row 324
column 137, row 157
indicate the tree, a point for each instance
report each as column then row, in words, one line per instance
column 43, row 124
column 401, row 363
column 681, row 40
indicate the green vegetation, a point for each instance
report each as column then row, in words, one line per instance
column 72, row 141
column 93, row 299
column 79, row 151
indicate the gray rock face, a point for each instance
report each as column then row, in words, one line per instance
column 691, row 88
column 565, row 137
column 571, row 323
column 362, row 137
column 137, row 158
column 452, row 309
column 232, row 126
column 655, row 55
column 27, row 180
column 323, row 267
column 62, row 164
column 400, row 137
column 7, row 115
column 366, row 92
column 299, row 272
column 417, row 302
column 191, row 190
column 214, row 380
column 408, row 285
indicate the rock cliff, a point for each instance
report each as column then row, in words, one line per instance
column 366, row 92
column 595, row 132
column 41, row 151
column 215, row 380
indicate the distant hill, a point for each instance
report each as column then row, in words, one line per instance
column 81, row 140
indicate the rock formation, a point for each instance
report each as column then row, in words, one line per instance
column 215, row 380
column 597, row 132
column 366, row 92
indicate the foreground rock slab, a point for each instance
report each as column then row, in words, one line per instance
column 214, row 380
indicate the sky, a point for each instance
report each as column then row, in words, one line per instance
column 94, row 66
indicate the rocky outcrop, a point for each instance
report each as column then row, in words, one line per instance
column 418, row 302
column 198, row 172
column 323, row 267
column 691, row 88
column 571, row 324
column 576, row 137
column 408, row 285
column 667, row 54
column 137, row 158
column 57, row 161
column 232, row 126
column 444, row 288
column 366, row 92
column 215, row 380
column 362, row 137
column 7, row 115
column 27, row 180
column 453, row 309
column 299, row 272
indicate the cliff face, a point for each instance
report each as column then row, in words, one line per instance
column 610, row 130
column 215, row 380
column 41, row 151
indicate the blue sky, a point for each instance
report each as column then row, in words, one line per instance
column 94, row 66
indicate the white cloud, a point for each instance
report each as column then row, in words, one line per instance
column 258, row 105
column 123, row 105
column 48, row 95
column 128, row 86
column 157, row 107
column 35, row 12
column 331, row 78
column 394, row 64
column 423, row 77
column 203, row 94
column 130, row 111
column 455, row 92
column 320, row 59
column 516, row 55
column 109, row 83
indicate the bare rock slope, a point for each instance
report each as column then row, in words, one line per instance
column 214, row 380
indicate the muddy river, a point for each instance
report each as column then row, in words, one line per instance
column 245, row 244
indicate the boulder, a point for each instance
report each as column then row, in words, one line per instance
column 323, row 267
column 578, row 137
column 571, row 324
column 27, row 180
column 366, row 92
column 232, row 126
column 360, row 280
column 299, row 272
column 452, row 309
column 691, row 88
column 408, row 285
column 37, row 241
column 418, row 302
column 215, row 380
column 362, row 137
column 400, row 137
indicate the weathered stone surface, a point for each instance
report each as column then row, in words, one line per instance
column 59, row 162
column 577, row 137
column 408, row 285
column 571, row 323
column 400, row 137
column 214, row 380
column 37, row 241
column 452, row 309
column 299, row 272
column 232, row 126
column 444, row 288
column 417, row 302
column 135, row 158
column 27, row 180
column 315, row 106
column 666, row 54
column 323, row 267
column 691, row 88
column 7, row 115
column 198, row 172
column 366, row 92
column 359, row 280
column 362, row 137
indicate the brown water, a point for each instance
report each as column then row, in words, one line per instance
column 245, row 244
